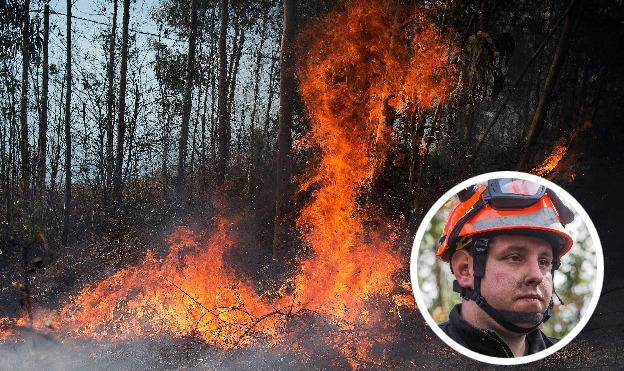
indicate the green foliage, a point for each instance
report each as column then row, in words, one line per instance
column 170, row 67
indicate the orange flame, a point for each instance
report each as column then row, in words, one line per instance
column 551, row 162
column 561, row 163
column 361, row 63
column 191, row 292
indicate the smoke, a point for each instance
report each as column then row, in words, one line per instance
column 40, row 352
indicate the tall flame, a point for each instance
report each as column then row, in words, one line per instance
column 360, row 64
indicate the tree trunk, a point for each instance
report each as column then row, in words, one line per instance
column 267, row 117
column 165, row 154
column 223, row 145
column 251, row 164
column 55, row 151
column 68, row 146
column 284, row 136
column 542, row 105
column 23, row 142
column 110, row 99
column 188, row 91
column 121, row 123
column 132, row 127
column 43, row 118
column 236, row 55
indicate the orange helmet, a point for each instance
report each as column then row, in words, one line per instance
column 506, row 205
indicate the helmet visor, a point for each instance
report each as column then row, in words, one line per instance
column 507, row 193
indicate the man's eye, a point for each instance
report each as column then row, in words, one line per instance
column 544, row 262
column 514, row 258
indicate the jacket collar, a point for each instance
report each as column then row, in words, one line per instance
column 488, row 342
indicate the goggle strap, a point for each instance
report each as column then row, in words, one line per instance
column 566, row 216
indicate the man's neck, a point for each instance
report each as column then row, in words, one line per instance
column 472, row 314
column 516, row 342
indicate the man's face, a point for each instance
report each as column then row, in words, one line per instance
column 518, row 278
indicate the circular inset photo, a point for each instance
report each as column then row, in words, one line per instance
column 507, row 268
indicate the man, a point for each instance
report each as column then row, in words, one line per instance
column 504, row 241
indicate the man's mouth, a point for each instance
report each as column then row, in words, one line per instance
column 530, row 297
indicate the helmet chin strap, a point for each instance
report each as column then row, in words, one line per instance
column 478, row 262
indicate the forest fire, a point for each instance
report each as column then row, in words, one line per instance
column 353, row 72
column 363, row 64
column 191, row 292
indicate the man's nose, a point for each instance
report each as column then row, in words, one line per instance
column 534, row 274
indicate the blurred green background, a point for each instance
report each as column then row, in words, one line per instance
column 574, row 281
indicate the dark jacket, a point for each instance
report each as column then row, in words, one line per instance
column 487, row 342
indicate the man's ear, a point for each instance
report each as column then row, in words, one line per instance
column 462, row 268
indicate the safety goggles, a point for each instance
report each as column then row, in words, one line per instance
column 507, row 193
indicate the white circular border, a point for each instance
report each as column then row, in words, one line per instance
column 418, row 294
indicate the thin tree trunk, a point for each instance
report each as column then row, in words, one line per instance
column 121, row 123
column 236, row 56
column 110, row 99
column 132, row 130
column 237, row 30
column 43, row 119
column 542, row 105
column 257, row 69
column 210, row 76
column 193, row 147
column 55, row 160
column 188, row 91
column 12, row 165
column 23, row 142
column 198, row 109
column 284, row 136
column 68, row 144
column 4, row 176
column 251, row 164
column 267, row 117
column 202, row 160
column 223, row 145
column 165, row 156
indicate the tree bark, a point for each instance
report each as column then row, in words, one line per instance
column 251, row 165
column 68, row 144
column 223, row 145
column 188, row 91
column 236, row 55
column 132, row 127
column 121, row 124
column 55, row 151
column 542, row 106
column 267, row 117
column 43, row 118
column 284, row 136
column 110, row 99
column 23, row 142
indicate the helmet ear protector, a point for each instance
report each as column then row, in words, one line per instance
column 504, row 206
